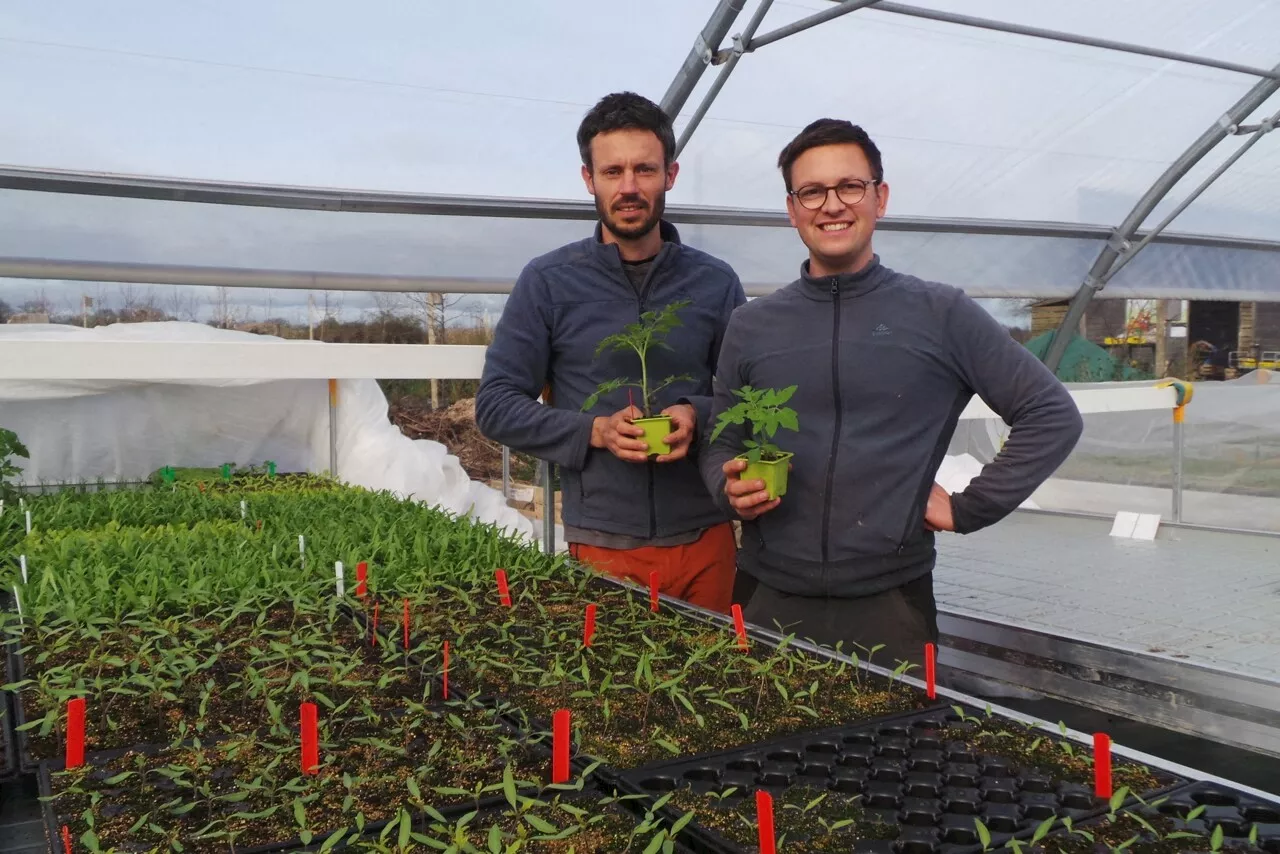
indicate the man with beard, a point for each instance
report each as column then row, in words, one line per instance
column 625, row 513
column 884, row 363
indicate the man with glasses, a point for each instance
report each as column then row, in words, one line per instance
column 884, row 363
column 625, row 513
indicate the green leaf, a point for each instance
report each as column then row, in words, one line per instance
column 541, row 824
column 406, row 828
column 984, row 835
column 1043, row 828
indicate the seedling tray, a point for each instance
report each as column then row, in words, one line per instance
column 926, row 790
column 107, row 763
column 1197, row 808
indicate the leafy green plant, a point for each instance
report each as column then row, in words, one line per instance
column 763, row 409
column 640, row 337
column 10, row 447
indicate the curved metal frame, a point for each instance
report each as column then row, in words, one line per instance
column 1119, row 249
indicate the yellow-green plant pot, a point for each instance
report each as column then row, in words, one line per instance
column 655, row 429
column 772, row 472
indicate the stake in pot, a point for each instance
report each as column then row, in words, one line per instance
column 650, row 331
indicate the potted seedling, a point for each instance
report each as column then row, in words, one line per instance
column 763, row 408
column 640, row 337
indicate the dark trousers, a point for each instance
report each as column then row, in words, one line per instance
column 903, row 619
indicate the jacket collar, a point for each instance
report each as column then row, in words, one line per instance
column 870, row 277
column 608, row 252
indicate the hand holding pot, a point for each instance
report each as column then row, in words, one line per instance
column 684, row 419
column 616, row 434
column 749, row 498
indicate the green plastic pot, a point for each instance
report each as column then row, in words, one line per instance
column 772, row 472
column 655, row 429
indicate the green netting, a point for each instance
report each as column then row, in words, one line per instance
column 1086, row 362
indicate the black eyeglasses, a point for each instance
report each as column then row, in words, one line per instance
column 850, row 192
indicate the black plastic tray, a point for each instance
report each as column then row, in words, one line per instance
column 8, row 744
column 902, row 773
column 1213, row 805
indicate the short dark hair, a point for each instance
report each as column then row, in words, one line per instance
column 626, row 111
column 829, row 132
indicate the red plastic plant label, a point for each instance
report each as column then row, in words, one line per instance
column 931, row 670
column 75, row 732
column 310, row 739
column 589, row 628
column 362, row 578
column 653, row 592
column 504, row 593
column 764, row 820
column 740, row 626
column 560, row 747
column 1102, row 764
column 66, row 839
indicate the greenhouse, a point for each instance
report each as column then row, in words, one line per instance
column 267, row 588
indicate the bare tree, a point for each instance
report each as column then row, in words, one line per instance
column 182, row 304
column 433, row 307
column 225, row 314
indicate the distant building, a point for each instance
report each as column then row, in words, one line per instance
column 29, row 317
column 1204, row 339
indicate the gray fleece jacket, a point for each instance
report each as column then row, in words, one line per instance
column 561, row 306
column 884, row 364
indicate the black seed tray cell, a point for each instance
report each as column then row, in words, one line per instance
column 1197, row 808
column 898, row 771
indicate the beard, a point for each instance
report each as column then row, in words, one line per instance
column 632, row 230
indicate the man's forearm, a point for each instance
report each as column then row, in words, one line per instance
column 1038, row 444
column 512, row 418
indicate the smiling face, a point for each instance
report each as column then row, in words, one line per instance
column 628, row 178
column 838, row 234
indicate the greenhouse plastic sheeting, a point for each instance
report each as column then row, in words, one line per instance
column 1124, row 460
column 124, row 430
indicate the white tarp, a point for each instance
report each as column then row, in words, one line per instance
column 124, row 430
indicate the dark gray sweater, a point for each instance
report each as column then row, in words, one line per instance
column 561, row 306
column 884, row 364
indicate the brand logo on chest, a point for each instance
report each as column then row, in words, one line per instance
column 880, row 331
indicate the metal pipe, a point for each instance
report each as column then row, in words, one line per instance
column 808, row 22
column 333, row 429
column 700, row 55
column 1178, row 448
column 1124, row 233
column 548, row 509
column 506, row 473
column 1151, row 235
column 723, row 77
column 325, row 199
column 1073, row 38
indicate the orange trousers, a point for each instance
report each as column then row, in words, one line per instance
column 700, row 573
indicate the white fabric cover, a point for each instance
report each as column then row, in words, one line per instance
column 124, row 430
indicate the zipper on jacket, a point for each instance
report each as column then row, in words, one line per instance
column 835, row 436
column 653, row 507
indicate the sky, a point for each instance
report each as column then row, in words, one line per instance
column 483, row 99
